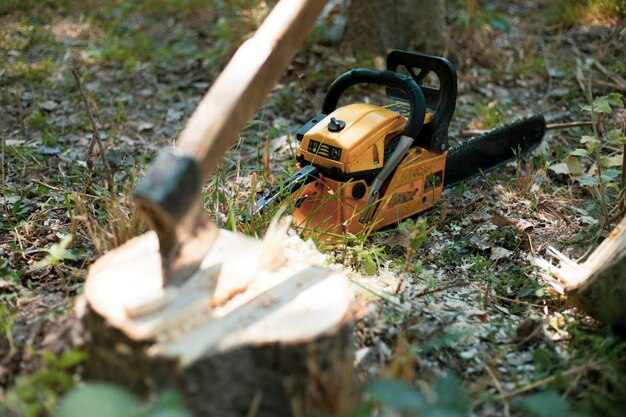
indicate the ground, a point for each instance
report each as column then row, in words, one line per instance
column 454, row 294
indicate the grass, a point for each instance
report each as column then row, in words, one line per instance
column 580, row 12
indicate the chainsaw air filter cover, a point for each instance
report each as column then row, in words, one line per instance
column 356, row 149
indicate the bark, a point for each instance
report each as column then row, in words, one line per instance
column 379, row 26
column 598, row 285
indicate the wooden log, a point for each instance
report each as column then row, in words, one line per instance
column 273, row 338
column 598, row 285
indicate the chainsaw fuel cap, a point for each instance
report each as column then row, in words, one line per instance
column 336, row 125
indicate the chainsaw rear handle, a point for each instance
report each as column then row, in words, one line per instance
column 440, row 98
column 389, row 79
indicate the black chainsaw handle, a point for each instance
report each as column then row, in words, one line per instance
column 389, row 79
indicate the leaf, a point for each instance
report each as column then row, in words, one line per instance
column 450, row 394
column 579, row 152
column 168, row 404
column 396, row 394
column 547, row 404
column 59, row 250
column 499, row 23
column 601, row 105
column 611, row 161
column 588, row 180
column 612, row 174
column 616, row 137
column 574, row 165
column 615, row 100
column 560, row 168
column 97, row 400
column 591, row 143
column 587, row 139
column 57, row 253
column 71, row 358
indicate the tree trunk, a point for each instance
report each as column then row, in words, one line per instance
column 598, row 285
column 275, row 339
column 381, row 25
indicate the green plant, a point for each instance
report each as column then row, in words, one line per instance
column 447, row 399
column 7, row 319
column 546, row 404
column 577, row 12
column 57, row 253
column 38, row 120
column 37, row 394
column 36, row 71
column 99, row 399
column 417, row 232
column 488, row 116
column 595, row 164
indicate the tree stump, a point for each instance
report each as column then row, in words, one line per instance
column 263, row 329
column 598, row 285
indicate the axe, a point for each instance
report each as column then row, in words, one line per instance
column 169, row 196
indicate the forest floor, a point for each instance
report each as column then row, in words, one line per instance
column 469, row 302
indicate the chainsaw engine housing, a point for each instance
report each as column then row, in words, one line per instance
column 371, row 166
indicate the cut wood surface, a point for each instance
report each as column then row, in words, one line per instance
column 249, row 296
column 597, row 285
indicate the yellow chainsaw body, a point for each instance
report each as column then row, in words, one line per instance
column 348, row 159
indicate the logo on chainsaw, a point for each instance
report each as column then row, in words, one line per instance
column 322, row 149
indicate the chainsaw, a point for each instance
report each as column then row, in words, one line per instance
column 364, row 167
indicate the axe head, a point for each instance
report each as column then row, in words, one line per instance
column 170, row 198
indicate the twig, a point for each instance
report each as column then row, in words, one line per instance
column 547, row 69
column 380, row 295
column 306, row 93
column 555, row 126
column 580, row 77
column 618, row 79
column 4, row 200
column 505, row 403
column 428, row 291
column 20, row 113
column 623, row 187
column 96, row 135
column 514, row 301
column 547, row 380
column 43, row 184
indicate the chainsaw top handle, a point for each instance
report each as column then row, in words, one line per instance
column 440, row 96
column 389, row 79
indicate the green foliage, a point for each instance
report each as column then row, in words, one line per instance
column 7, row 319
column 488, row 116
column 106, row 400
column 57, row 253
column 36, row 71
column 580, row 12
column 486, row 17
column 447, row 399
column 9, row 6
column 37, row 394
column 602, row 152
column 417, row 232
column 546, row 404
column 38, row 120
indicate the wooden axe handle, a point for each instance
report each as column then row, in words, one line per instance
column 248, row 78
